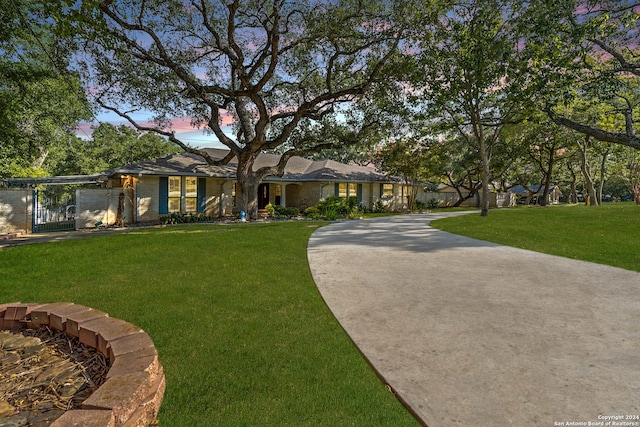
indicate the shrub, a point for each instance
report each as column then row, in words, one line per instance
column 433, row 203
column 180, row 218
column 333, row 208
column 285, row 211
column 312, row 212
column 331, row 214
column 333, row 204
column 355, row 213
column 379, row 207
column 271, row 210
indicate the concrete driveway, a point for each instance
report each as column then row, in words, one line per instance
column 470, row 333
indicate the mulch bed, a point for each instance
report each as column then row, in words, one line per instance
column 44, row 373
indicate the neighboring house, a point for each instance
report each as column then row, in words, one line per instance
column 447, row 196
column 185, row 183
column 535, row 192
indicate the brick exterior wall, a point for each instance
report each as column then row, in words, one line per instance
column 307, row 194
column 142, row 204
column 16, row 209
column 219, row 197
column 147, row 191
column 303, row 195
column 96, row 205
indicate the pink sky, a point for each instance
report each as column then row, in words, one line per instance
column 181, row 126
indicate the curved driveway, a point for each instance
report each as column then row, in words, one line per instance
column 470, row 333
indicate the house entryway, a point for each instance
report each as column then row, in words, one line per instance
column 54, row 209
column 263, row 195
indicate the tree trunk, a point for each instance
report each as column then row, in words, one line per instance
column 485, row 179
column 633, row 179
column 574, row 190
column 248, row 182
column 462, row 199
column 547, row 177
column 603, row 171
column 412, row 193
column 586, row 173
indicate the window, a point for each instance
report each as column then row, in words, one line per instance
column 346, row 190
column 181, row 195
column 387, row 190
column 191, row 194
column 174, row 193
column 278, row 196
column 342, row 190
column 353, row 190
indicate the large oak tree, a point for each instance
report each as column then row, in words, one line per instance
column 269, row 67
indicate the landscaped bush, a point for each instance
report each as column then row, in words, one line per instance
column 271, row 210
column 285, row 211
column 379, row 207
column 312, row 212
column 333, row 208
column 433, row 203
column 180, row 218
column 355, row 213
column 281, row 211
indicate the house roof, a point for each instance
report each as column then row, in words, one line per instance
column 519, row 189
column 53, row 180
column 297, row 169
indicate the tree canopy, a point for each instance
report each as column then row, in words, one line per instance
column 271, row 68
column 472, row 76
column 40, row 105
column 109, row 147
column 600, row 58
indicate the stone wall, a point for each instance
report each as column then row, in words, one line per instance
column 16, row 207
column 135, row 385
column 96, row 205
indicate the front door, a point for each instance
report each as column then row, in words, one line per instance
column 263, row 195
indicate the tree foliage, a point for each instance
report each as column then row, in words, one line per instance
column 110, row 147
column 270, row 67
column 409, row 161
column 599, row 44
column 473, row 76
column 40, row 106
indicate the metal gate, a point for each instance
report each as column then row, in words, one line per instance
column 54, row 209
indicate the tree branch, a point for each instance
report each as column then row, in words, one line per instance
column 171, row 136
column 625, row 139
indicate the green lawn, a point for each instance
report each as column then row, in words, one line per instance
column 607, row 234
column 243, row 334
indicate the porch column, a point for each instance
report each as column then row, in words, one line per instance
column 283, row 194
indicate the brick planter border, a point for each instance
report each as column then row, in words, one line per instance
column 132, row 394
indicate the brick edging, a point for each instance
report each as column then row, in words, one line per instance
column 135, row 383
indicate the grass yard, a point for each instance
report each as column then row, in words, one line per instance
column 243, row 334
column 607, row 234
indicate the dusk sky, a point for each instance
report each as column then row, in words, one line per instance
column 184, row 130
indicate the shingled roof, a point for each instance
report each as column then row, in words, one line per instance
column 297, row 169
